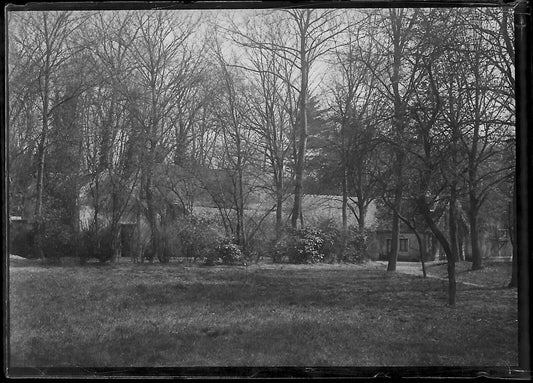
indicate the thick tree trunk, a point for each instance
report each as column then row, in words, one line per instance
column 41, row 149
column 450, row 256
column 395, row 242
column 279, row 210
column 39, row 196
column 396, row 24
column 156, row 239
column 361, row 219
column 452, row 221
column 474, row 237
column 421, row 251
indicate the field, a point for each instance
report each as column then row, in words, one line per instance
column 265, row 315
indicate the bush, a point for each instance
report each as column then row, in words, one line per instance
column 325, row 244
column 226, row 252
column 97, row 245
column 58, row 239
column 279, row 250
column 300, row 246
column 149, row 252
column 229, row 252
column 309, row 247
column 355, row 246
column 191, row 237
column 333, row 241
column 21, row 240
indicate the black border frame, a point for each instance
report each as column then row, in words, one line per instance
column 523, row 32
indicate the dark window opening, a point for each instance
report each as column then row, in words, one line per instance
column 404, row 244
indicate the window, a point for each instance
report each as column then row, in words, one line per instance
column 404, row 244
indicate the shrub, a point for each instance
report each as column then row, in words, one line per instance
column 229, row 252
column 149, row 252
column 309, row 247
column 191, row 237
column 97, row 245
column 333, row 242
column 226, row 252
column 21, row 240
column 279, row 250
column 300, row 246
column 325, row 244
column 58, row 239
column 355, row 246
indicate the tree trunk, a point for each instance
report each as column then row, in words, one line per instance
column 396, row 25
column 39, row 196
column 422, row 252
column 453, row 245
column 474, row 236
column 302, row 143
column 297, row 207
column 344, row 198
column 395, row 241
column 398, row 194
column 138, row 255
column 452, row 288
column 279, row 210
column 45, row 94
column 95, row 231
column 76, row 211
column 156, row 239
column 361, row 219
column 241, row 239
column 452, row 221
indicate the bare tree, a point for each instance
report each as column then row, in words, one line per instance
column 356, row 107
column 46, row 41
column 307, row 35
column 271, row 119
column 237, row 138
column 163, row 61
column 488, row 101
column 396, row 74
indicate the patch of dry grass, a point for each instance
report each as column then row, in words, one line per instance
column 172, row 315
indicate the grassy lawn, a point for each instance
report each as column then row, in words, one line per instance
column 328, row 315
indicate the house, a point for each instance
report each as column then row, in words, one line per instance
column 380, row 244
column 209, row 192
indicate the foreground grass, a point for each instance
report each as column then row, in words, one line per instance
column 171, row 315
